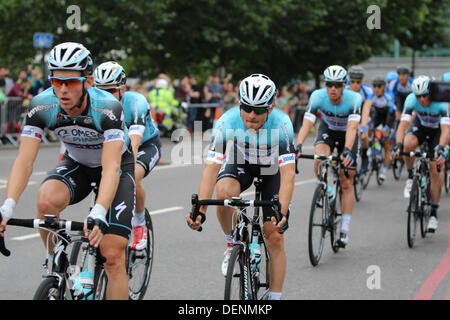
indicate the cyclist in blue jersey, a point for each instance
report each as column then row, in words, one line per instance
column 431, row 125
column 400, row 89
column 341, row 114
column 383, row 114
column 257, row 139
column 356, row 77
column 89, row 122
column 144, row 137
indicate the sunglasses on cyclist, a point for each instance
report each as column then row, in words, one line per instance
column 112, row 90
column 421, row 95
column 355, row 81
column 257, row 110
column 337, row 85
column 69, row 82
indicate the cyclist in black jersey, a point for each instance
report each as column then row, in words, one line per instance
column 90, row 123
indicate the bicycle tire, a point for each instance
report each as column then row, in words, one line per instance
column 49, row 290
column 370, row 170
column 397, row 168
column 447, row 177
column 379, row 165
column 100, row 282
column 142, row 258
column 335, row 220
column 315, row 252
column 413, row 212
column 357, row 186
column 235, row 290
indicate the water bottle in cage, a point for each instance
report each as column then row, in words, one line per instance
column 255, row 252
column 87, row 276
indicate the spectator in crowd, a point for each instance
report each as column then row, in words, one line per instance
column 303, row 99
column 230, row 96
column 21, row 89
column 215, row 94
column 37, row 84
column 6, row 83
column 194, row 96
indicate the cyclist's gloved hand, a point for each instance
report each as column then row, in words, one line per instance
column 195, row 220
column 397, row 149
column 6, row 211
column 283, row 222
column 364, row 130
column 439, row 155
column 298, row 150
column 346, row 157
column 98, row 215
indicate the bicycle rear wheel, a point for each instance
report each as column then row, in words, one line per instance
column 397, row 168
column 447, row 177
column 413, row 212
column 237, row 275
column 357, row 186
column 49, row 290
column 370, row 169
column 317, row 224
column 139, row 264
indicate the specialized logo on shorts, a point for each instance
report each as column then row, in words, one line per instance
column 120, row 208
column 140, row 153
column 240, row 171
column 59, row 169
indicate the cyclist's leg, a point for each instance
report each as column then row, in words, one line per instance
column 231, row 181
column 66, row 184
column 148, row 156
column 412, row 139
column 275, row 240
column 437, row 178
column 115, row 240
column 323, row 144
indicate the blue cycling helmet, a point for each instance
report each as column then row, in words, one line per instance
column 391, row 76
column 446, row 76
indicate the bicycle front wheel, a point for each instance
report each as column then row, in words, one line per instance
column 447, row 177
column 397, row 168
column 413, row 212
column 317, row 224
column 49, row 290
column 237, row 280
column 139, row 264
column 357, row 186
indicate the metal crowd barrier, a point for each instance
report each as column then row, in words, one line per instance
column 12, row 118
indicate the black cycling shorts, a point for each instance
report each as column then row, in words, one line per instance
column 424, row 134
column 149, row 154
column 78, row 179
column 336, row 139
column 245, row 174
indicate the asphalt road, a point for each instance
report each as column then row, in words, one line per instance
column 377, row 263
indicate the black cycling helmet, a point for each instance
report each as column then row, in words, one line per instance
column 356, row 72
column 378, row 81
column 403, row 70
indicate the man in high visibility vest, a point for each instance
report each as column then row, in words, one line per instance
column 165, row 105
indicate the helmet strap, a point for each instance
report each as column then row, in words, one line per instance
column 79, row 104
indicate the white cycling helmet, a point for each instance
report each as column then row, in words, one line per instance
column 109, row 73
column 257, row 90
column 420, row 85
column 161, row 84
column 70, row 56
column 335, row 73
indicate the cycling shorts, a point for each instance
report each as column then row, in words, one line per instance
column 149, row 154
column 245, row 175
column 78, row 179
column 424, row 134
column 336, row 139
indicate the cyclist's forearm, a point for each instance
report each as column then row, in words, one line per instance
column 108, row 185
column 401, row 131
column 287, row 183
column 208, row 182
column 352, row 128
column 18, row 179
column 304, row 131
column 443, row 141
column 366, row 112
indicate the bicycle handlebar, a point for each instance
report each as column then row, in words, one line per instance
column 234, row 202
column 50, row 222
column 323, row 157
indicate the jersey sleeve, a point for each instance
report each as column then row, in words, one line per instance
column 445, row 114
column 140, row 111
column 36, row 119
column 313, row 107
column 112, row 124
column 355, row 113
column 218, row 142
column 409, row 107
column 286, row 144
